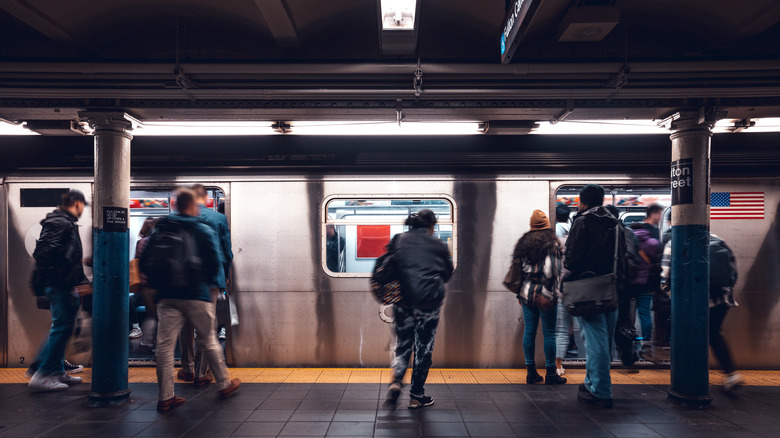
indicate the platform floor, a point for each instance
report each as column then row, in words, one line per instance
column 349, row 402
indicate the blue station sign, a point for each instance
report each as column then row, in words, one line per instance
column 515, row 26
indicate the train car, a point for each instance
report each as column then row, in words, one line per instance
column 304, row 244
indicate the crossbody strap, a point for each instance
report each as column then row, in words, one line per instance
column 617, row 234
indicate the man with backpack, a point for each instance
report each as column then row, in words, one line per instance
column 58, row 269
column 723, row 277
column 193, row 364
column 181, row 261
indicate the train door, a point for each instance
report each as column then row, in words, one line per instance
column 3, row 273
column 631, row 202
column 147, row 206
column 26, row 325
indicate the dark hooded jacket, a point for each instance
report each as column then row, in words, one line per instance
column 591, row 245
column 208, row 251
column 58, row 252
column 425, row 265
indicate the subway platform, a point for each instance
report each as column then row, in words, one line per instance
column 349, row 402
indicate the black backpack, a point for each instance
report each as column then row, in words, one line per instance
column 721, row 272
column 171, row 259
column 633, row 258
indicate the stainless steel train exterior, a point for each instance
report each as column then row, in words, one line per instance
column 293, row 312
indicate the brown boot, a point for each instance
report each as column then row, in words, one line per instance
column 230, row 389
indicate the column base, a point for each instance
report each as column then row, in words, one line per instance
column 102, row 400
column 689, row 401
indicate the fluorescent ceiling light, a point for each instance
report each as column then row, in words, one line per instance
column 398, row 14
column 599, row 127
column 14, row 129
column 204, row 128
column 385, row 128
column 767, row 124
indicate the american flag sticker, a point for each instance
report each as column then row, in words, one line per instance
column 737, row 205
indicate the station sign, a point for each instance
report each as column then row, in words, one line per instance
column 515, row 26
column 682, row 181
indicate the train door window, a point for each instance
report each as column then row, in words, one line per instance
column 356, row 230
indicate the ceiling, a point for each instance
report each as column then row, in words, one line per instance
column 287, row 60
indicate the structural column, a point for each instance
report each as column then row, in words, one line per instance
column 110, row 256
column 690, row 184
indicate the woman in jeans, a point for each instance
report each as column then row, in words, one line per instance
column 540, row 254
column 424, row 265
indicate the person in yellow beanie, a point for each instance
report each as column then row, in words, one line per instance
column 540, row 255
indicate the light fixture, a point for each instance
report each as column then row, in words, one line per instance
column 750, row 126
column 599, row 127
column 398, row 14
column 9, row 128
column 385, row 128
column 204, row 128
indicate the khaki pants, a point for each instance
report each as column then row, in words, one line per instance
column 172, row 314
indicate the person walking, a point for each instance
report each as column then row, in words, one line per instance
column 424, row 265
column 723, row 277
column 539, row 252
column 181, row 261
column 149, row 324
column 194, row 366
column 590, row 250
column 58, row 269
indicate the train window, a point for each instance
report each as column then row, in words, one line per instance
column 630, row 201
column 356, row 230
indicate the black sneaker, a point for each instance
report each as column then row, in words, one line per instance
column 72, row 369
column 589, row 398
column 419, row 402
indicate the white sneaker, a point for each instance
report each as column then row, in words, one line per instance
column 136, row 333
column 222, row 333
column 732, row 380
column 40, row 383
column 69, row 380
column 560, row 371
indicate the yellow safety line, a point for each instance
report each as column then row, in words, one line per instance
column 384, row 376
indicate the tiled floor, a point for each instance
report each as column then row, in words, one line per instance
column 357, row 409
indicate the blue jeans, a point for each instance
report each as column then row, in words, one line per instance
column 566, row 323
column 644, row 302
column 531, row 315
column 599, row 331
column 63, row 305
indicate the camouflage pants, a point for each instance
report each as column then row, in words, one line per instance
column 415, row 330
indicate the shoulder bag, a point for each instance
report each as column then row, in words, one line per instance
column 595, row 294
column 514, row 277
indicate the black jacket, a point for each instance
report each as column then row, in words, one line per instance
column 591, row 245
column 425, row 265
column 58, row 252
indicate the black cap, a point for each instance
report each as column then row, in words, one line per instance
column 75, row 195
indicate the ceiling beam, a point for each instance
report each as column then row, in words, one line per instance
column 279, row 20
column 38, row 20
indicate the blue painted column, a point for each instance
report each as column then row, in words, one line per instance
column 110, row 257
column 690, row 185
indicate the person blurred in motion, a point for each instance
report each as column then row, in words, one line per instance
column 723, row 278
column 149, row 324
column 590, row 251
column 58, row 269
column 182, row 261
column 424, row 266
column 647, row 279
column 194, row 367
column 625, row 331
column 539, row 252
column 652, row 222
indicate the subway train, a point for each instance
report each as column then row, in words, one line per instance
column 305, row 237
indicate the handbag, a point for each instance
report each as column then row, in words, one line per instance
column 134, row 275
column 514, row 277
column 385, row 282
column 593, row 295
